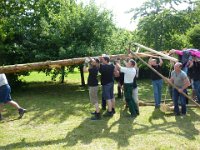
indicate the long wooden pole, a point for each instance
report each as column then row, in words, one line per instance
column 58, row 63
column 164, row 78
column 156, row 52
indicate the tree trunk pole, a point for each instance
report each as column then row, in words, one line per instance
column 157, row 52
column 57, row 63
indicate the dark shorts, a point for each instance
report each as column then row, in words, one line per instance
column 5, row 94
column 108, row 91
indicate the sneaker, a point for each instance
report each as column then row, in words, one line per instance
column 93, row 113
column 108, row 114
column 177, row 114
column 157, row 107
column 133, row 116
column 21, row 112
column 183, row 114
column 96, row 117
column 113, row 110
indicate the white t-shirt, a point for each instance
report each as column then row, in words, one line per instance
column 3, row 79
column 129, row 74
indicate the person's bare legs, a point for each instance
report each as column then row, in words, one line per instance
column 97, row 107
column 109, row 102
column 14, row 104
column 97, row 115
column 113, row 105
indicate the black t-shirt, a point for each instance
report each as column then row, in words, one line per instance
column 194, row 71
column 106, row 71
column 92, row 78
column 155, row 76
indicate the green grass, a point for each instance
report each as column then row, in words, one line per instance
column 58, row 118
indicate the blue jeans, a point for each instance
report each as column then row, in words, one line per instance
column 197, row 89
column 157, row 89
column 176, row 97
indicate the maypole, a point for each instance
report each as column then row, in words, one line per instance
column 57, row 63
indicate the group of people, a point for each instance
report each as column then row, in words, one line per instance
column 126, row 77
column 108, row 72
column 184, row 72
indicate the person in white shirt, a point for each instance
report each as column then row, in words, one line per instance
column 129, row 75
column 5, row 97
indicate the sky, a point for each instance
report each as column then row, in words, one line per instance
column 119, row 8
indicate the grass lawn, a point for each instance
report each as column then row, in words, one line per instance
column 58, row 117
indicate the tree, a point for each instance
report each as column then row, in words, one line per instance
column 40, row 30
column 194, row 36
column 194, row 32
column 161, row 24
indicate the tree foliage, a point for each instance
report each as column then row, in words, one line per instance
column 40, row 30
column 162, row 26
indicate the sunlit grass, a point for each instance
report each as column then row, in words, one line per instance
column 59, row 118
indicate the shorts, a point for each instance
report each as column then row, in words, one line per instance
column 108, row 90
column 93, row 93
column 5, row 94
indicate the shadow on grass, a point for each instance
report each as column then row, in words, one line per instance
column 59, row 102
column 88, row 131
column 102, row 131
column 184, row 123
column 46, row 101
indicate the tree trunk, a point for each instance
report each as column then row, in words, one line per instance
column 59, row 63
column 154, row 52
column 82, row 75
column 62, row 74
